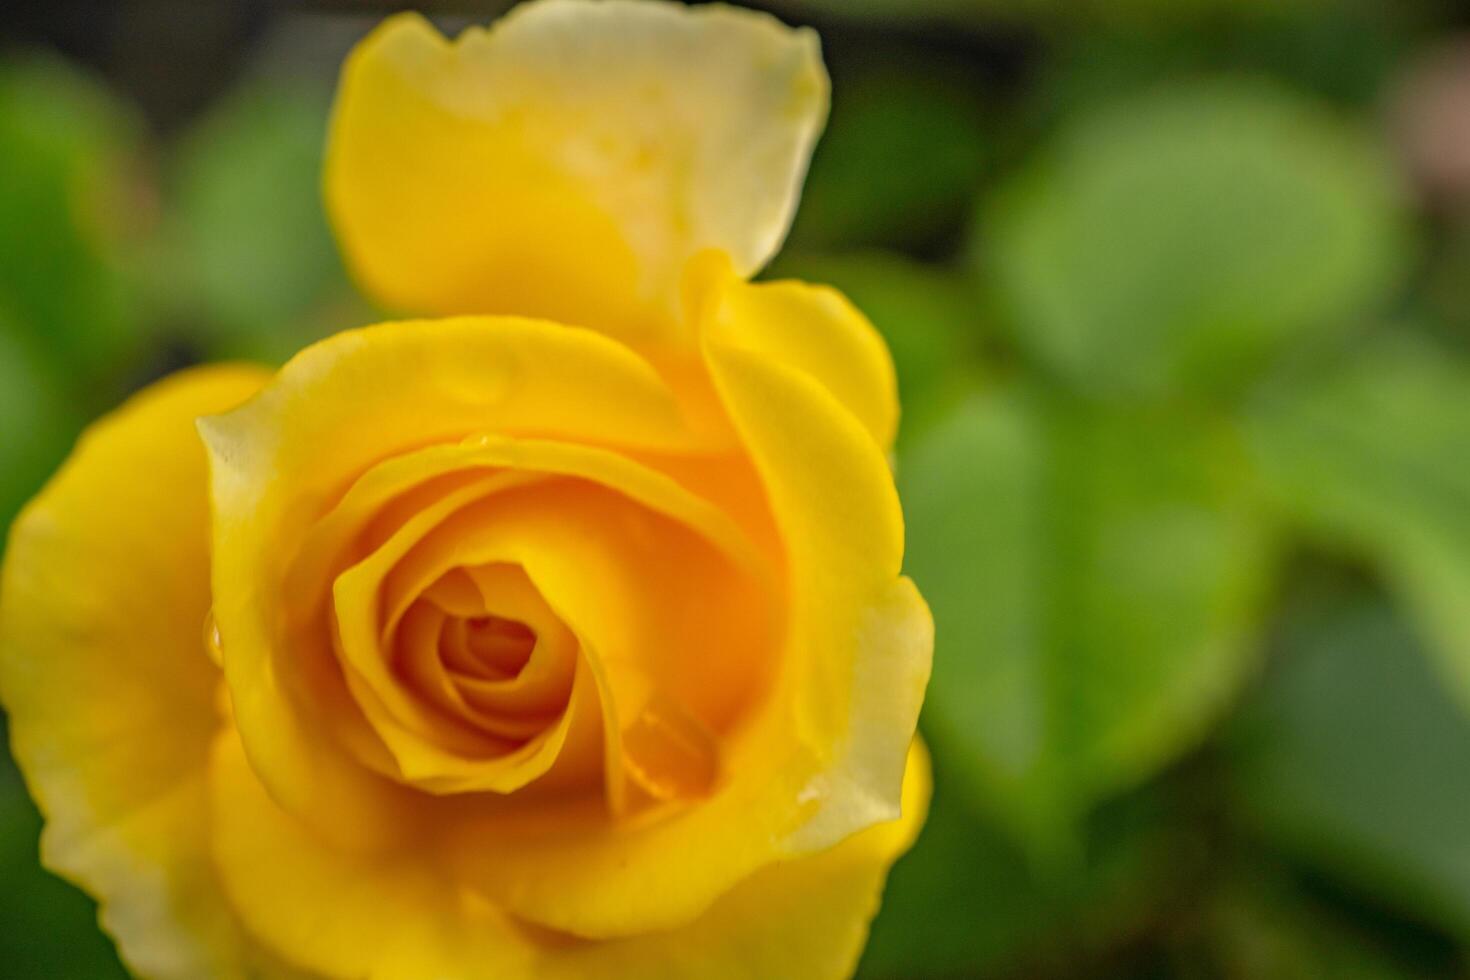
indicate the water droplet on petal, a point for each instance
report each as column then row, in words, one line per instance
column 211, row 640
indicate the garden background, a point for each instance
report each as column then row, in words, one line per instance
column 1179, row 296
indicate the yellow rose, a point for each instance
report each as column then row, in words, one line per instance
column 563, row 637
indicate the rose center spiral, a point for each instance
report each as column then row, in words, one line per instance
column 489, row 647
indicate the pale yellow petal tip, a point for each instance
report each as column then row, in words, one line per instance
column 569, row 160
column 703, row 285
column 924, row 621
column 405, row 32
column 223, row 443
column 213, row 432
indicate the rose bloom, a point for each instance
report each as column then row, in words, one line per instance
column 560, row 636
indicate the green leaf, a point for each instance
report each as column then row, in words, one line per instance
column 1096, row 579
column 247, row 230
column 928, row 315
column 1261, row 927
column 900, row 159
column 1179, row 240
column 38, row 421
column 72, row 210
column 1372, row 455
column 966, row 901
column 1354, row 759
column 961, row 901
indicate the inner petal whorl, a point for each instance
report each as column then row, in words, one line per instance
column 501, row 646
column 501, row 608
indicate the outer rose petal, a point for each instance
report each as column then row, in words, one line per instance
column 104, row 673
column 812, row 328
column 567, row 162
column 862, row 639
column 347, row 915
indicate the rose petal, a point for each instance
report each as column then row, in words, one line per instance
column 394, row 917
column 431, row 750
column 103, row 671
column 862, row 639
column 568, row 161
column 813, row 329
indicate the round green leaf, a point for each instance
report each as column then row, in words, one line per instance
column 1355, row 760
column 1178, row 240
column 1096, row 579
column 1371, row 455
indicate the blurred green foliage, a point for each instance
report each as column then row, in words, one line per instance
column 1371, row 454
column 70, row 205
column 255, row 289
column 1355, row 759
column 1174, row 241
column 1111, row 565
column 37, row 418
column 902, row 152
column 73, row 200
column 1184, row 351
column 1183, row 464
